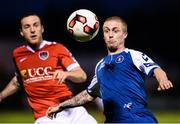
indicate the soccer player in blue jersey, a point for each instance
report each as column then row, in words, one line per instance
column 119, row 80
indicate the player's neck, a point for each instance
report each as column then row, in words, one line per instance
column 35, row 46
column 119, row 50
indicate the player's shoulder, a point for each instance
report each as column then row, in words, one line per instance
column 58, row 47
column 100, row 62
column 19, row 49
column 132, row 51
column 52, row 43
column 55, row 44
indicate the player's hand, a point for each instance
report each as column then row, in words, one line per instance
column 60, row 75
column 165, row 85
column 52, row 111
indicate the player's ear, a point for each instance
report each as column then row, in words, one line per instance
column 42, row 29
column 125, row 35
column 21, row 33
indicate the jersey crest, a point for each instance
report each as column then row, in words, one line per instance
column 119, row 59
column 43, row 55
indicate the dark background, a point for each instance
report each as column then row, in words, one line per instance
column 153, row 28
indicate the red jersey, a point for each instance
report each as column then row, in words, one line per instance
column 33, row 67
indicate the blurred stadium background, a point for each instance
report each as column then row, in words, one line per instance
column 153, row 27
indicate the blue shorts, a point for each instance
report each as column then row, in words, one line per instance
column 132, row 116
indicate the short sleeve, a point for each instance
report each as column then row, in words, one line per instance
column 66, row 58
column 94, row 88
column 144, row 63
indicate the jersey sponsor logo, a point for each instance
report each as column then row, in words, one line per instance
column 40, row 71
column 36, row 74
column 24, row 74
column 120, row 59
column 43, row 55
column 128, row 105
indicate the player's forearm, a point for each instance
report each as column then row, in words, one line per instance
column 160, row 75
column 10, row 89
column 78, row 100
column 77, row 75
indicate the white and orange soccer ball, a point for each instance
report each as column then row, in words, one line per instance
column 83, row 25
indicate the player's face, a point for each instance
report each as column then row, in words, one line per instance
column 32, row 29
column 114, row 35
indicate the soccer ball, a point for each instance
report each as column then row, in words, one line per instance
column 83, row 25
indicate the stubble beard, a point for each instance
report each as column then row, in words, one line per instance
column 112, row 49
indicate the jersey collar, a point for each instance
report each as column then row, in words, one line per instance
column 43, row 43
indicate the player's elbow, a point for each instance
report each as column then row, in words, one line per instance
column 78, row 75
column 83, row 77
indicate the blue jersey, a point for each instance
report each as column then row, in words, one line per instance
column 121, row 78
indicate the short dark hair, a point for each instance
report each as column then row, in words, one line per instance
column 29, row 13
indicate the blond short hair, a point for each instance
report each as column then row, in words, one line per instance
column 117, row 18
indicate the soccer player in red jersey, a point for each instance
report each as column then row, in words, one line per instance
column 42, row 70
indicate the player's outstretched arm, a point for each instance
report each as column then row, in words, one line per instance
column 164, row 82
column 76, row 75
column 10, row 89
column 78, row 100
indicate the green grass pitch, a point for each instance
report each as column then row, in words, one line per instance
column 165, row 116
